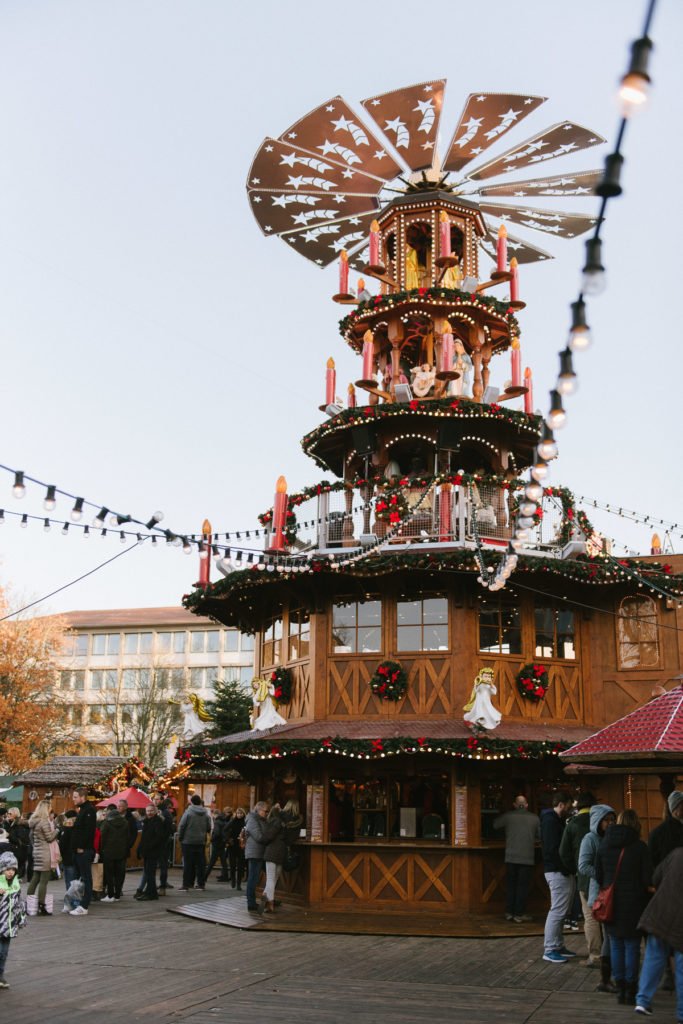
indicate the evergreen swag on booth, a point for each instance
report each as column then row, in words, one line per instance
column 532, row 682
column 390, row 681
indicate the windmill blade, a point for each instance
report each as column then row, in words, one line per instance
column 581, row 184
column 293, row 211
column 564, row 225
column 280, row 167
column 409, row 118
column 487, row 116
column 323, row 244
column 332, row 131
column 558, row 140
column 523, row 251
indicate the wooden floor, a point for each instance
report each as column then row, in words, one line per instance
column 134, row 962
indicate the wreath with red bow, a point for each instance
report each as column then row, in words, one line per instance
column 281, row 678
column 390, row 681
column 391, row 506
column 532, row 682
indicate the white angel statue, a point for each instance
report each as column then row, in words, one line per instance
column 262, row 698
column 479, row 711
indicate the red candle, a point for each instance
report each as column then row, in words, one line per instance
column 330, row 382
column 343, row 272
column 529, row 396
column 502, row 249
column 368, row 354
column 205, row 563
column 514, row 281
column 444, row 234
column 446, row 352
column 374, row 244
column 351, row 399
column 516, row 361
column 279, row 514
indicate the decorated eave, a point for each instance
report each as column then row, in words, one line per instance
column 321, row 443
column 650, row 736
column 99, row 774
column 375, row 740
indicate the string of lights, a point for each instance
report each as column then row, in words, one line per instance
column 633, row 94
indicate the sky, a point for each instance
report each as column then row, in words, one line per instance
column 158, row 352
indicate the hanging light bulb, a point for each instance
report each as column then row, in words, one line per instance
column 521, row 535
column 65, row 529
column 77, row 510
column 567, row 381
column 2, row 517
column 47, row 525
column 547, row 446
column 50, row 498
column 24, row 521
column 19, row 488
column 525, row 522
column 86, row 533
column 527, row 508
column 203, row 553
column 634, row 85
column 556, row 417
column 187, row 547
column 540, row 471
column 122, row 537
column 610, row 184
column 155, row 518
column 533, row 491
column 593, row 280
column 101, row 518
column 580, row 337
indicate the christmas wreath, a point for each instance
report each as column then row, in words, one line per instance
column 392, row 506
column 532, row 682
column 389, row 682
column 281, row 678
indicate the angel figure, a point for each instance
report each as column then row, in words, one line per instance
column 452, row 277
column 262, row 698
column 423, row 379
column 463, row 365
column 412, row 268
column 479, row 711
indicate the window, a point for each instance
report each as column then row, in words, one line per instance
column 164, row 642
column 271, row 643
column 72, row 680
column 127, row 712
column 179, row 640
column 104, row 679
column 499, row 627
column 130, row 678
column 231, row 641
column 213, row 641
column 95, row 714
column 76, row 715
column 422, row 625
column 105, row 643
column 246, row 675
column 246, row 642
column 554, row 632
column 76, row 645
column 138, row 643
column 198, row 677
column 196, row 643
column 299, row 633
column 638, row 633
column 357, row 627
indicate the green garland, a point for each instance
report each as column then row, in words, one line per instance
column 571, row 516
column 472, row 747
column 532, row 682
column 281, row 678
column 392, row 507
column 390, row 681
column 453, row 296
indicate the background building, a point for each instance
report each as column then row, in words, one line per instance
column 121, row 667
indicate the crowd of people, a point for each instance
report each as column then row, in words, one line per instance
column 598, row 867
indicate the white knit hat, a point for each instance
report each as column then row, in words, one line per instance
column 7, row 861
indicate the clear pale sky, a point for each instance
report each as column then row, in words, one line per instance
column 158, row 352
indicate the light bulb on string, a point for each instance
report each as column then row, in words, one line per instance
column 593, row 278
column 547, row 446
column 19, row 487
column 100, row 518
column 47, row 525
column 187, row 547
column 557, row 417
column 540, row 471
column 86, row 533
column 156, row 517
column 65, row 529
column 50, row 498
column 533, row 491
column 2, row 517
column 77, row 510
column 203, row 553
column 634, row 86
column 122, row 537
column 24, row 521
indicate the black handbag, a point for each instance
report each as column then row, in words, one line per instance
column 292, row 859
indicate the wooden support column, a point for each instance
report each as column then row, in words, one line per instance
column 396, row 334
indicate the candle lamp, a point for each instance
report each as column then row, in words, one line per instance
column 445, row 257
column 515, row 388
column 344, row 295
column 529, row 396
column 501, row 272
column 514, row 285
column 368, row 377
column 278, row 542
column 446, row 371
column 374, row 265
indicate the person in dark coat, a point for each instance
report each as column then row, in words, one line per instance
column 236, row 857
column 152, row 844
column 18, row 832
column 662, row 920
column 83, row 843
column 631, row 893
column 522, row 832
column 577, row 827
column 114, row 846
column 219, row 838
column 669, row 835
column 559, row 878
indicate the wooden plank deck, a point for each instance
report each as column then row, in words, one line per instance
column 133, row 962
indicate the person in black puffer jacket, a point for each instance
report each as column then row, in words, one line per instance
column 632, row 890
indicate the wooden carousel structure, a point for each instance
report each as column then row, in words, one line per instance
column 404, row 694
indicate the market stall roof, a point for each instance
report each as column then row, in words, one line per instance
column 649, row 736
column 80, row 771
column 135, row 798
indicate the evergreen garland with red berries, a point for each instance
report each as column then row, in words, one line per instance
column 281, row 678
column 532, row 682
column 390, row 681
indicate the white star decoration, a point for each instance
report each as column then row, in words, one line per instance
column 380, row 154
column 269, row 149
column 330, row 108
column 480, row 99
column 375, row 103
column 292, row 135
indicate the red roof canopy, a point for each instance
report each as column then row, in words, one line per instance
column 651, row 732
column 135, row 798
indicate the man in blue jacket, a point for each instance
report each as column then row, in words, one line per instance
column 558, row 876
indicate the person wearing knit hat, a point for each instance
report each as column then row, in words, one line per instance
column 674, row 801
column 669, row 835
column 12, row 908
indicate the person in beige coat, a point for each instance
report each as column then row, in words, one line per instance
column 42, row 834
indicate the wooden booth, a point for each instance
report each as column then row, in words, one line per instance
column 58, row 777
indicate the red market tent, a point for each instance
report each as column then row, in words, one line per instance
column 651, row 737
column 135, row 797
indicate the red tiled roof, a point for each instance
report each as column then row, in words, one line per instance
column 652, row 730
column 109, row 618
column 384, row 728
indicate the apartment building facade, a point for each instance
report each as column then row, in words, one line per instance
column 114, row 660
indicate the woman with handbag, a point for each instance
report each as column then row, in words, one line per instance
column 623, row 862
column 601, row 817
column 42, row 836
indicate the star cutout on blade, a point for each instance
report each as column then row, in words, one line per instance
column 480, row 99
column 354, row 220
column 347, row 173
column 428, row 145
column 330, row 108
column 343, row 124
column 256, row 199
column 268, row 228
column 528, row 101
column 476, row 151
column 269, row 149
column 395, row 125
column 256, row 181
column 292, row 135
column 380, row 154
column 428, row 88
column 289, row 160
column 376, row 103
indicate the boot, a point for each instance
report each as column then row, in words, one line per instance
column 43, row 911
column 605, row 976
column 269, row 907
column 631, row 992
column 621, row 992
column 49, row 903
column 32, row 905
